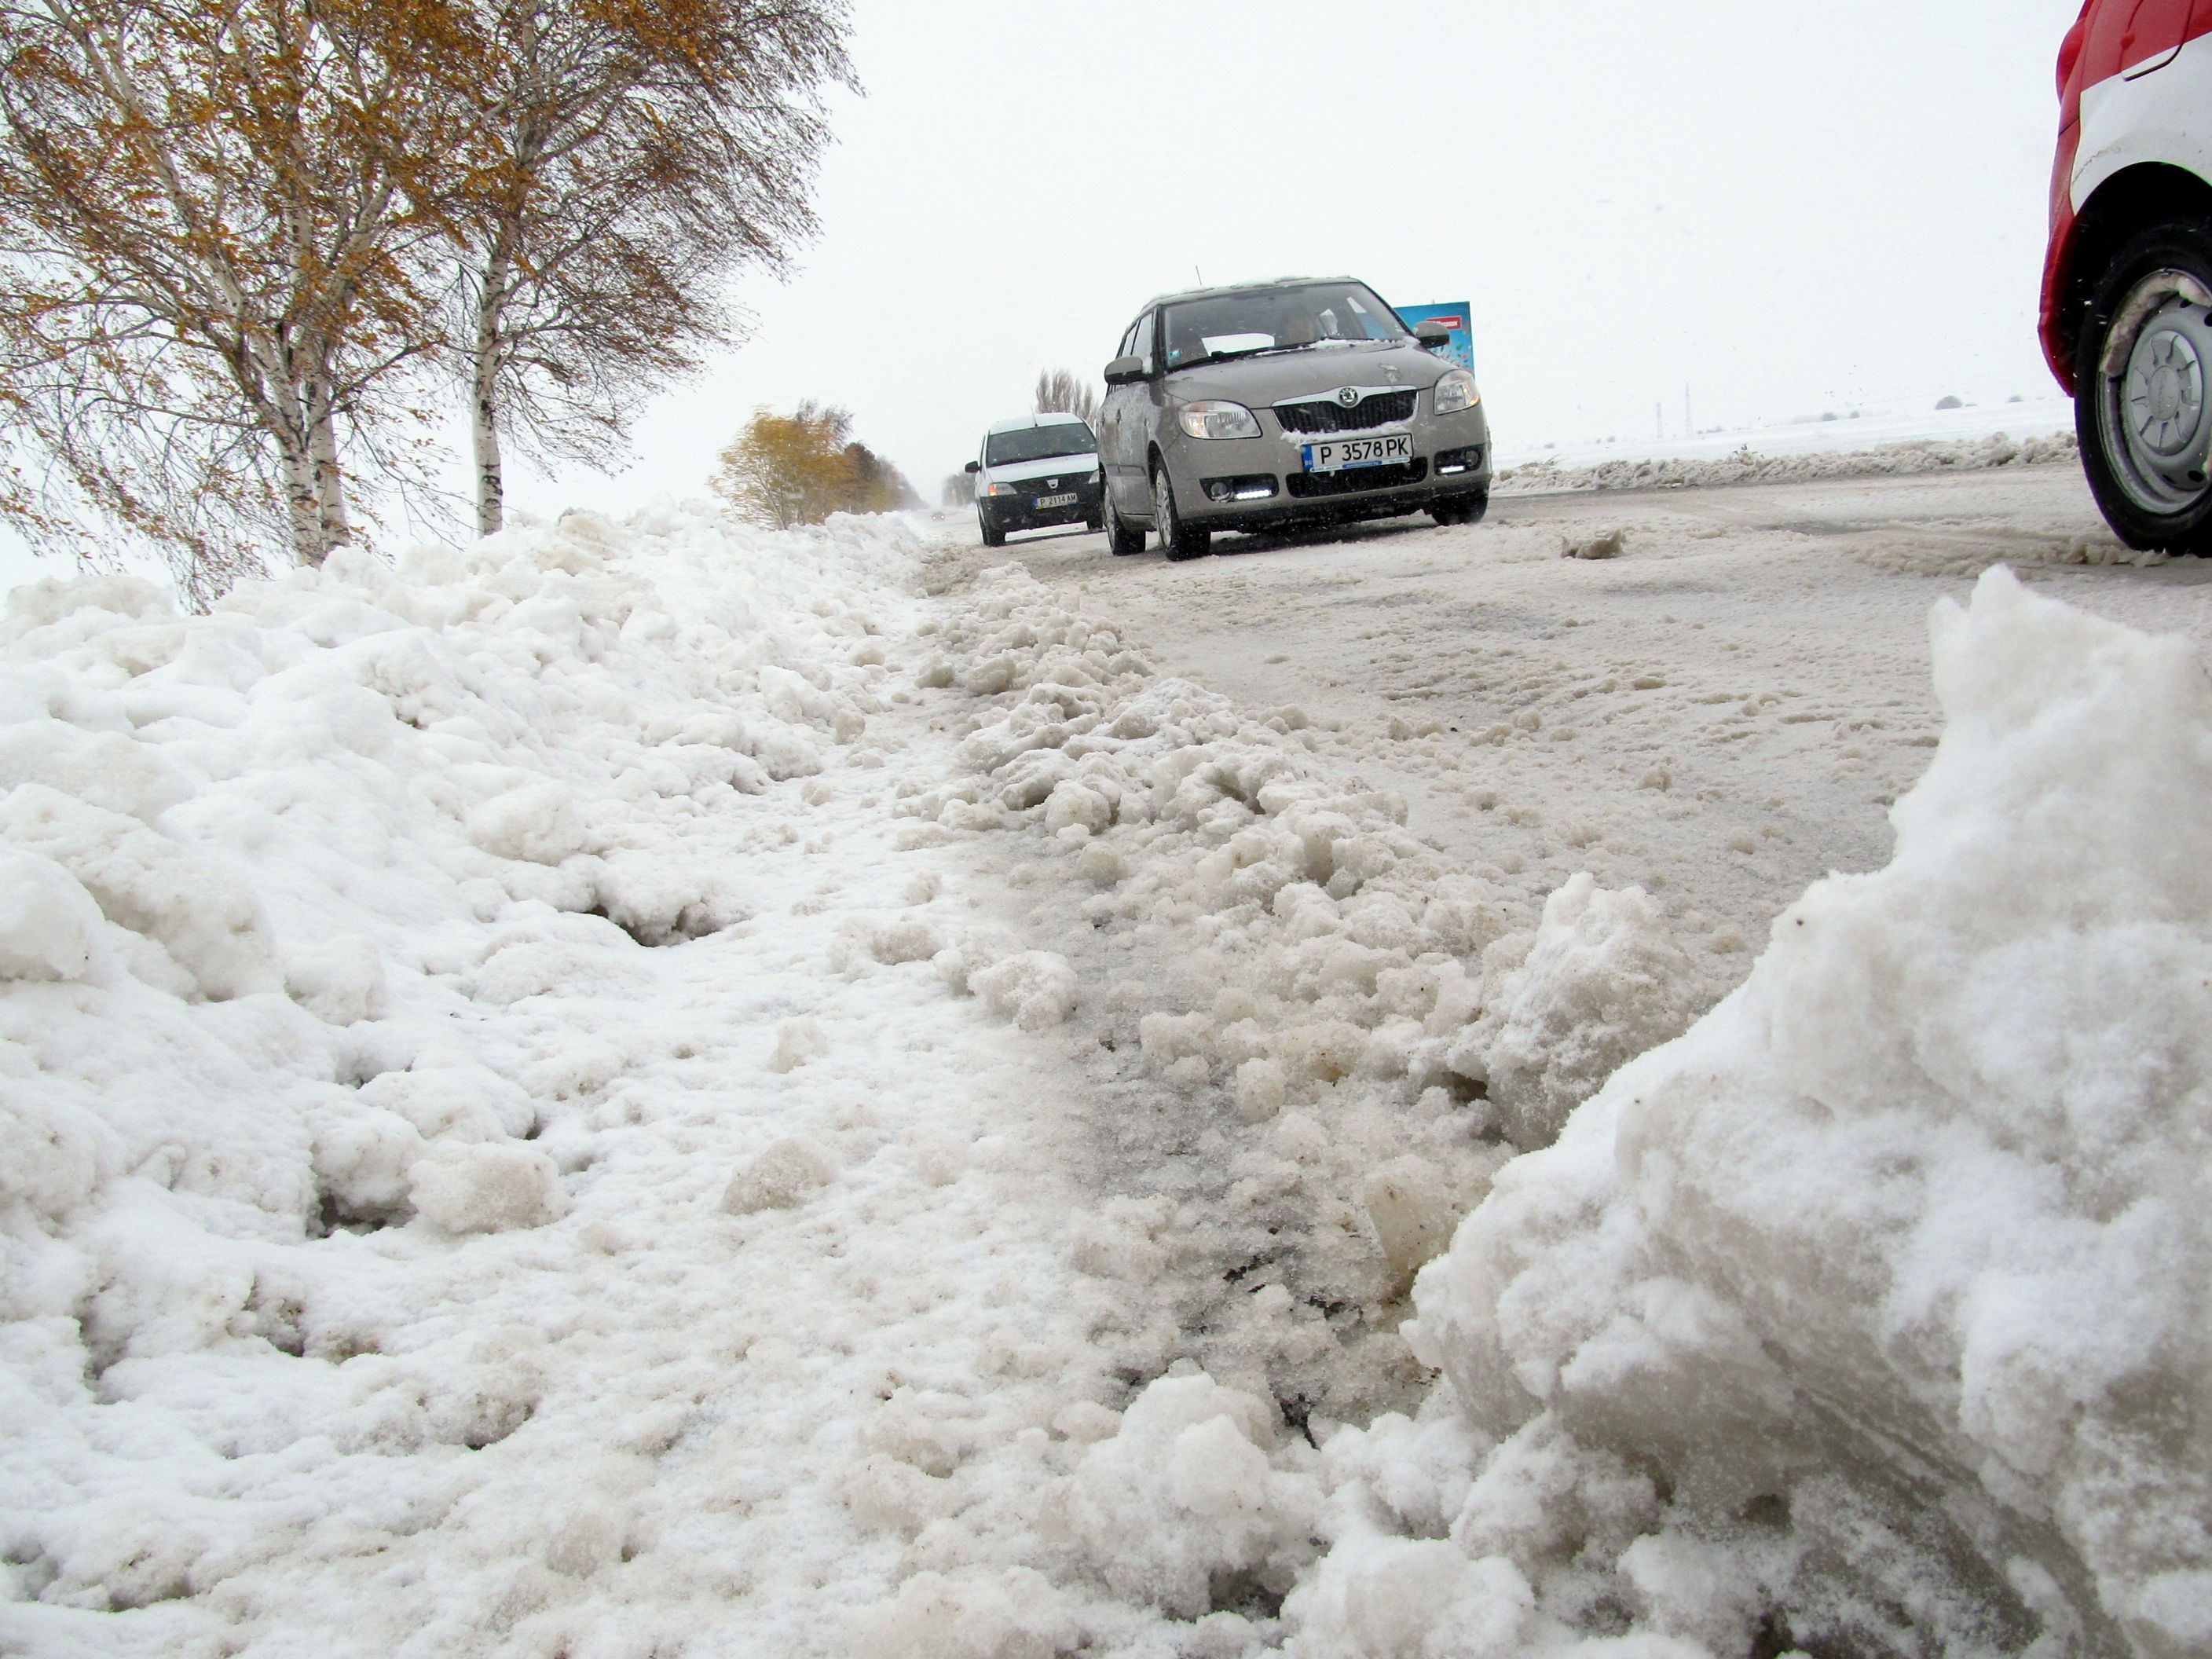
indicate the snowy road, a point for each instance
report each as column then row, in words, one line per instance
column 1721, row 714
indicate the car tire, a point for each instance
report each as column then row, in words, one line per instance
column 2145, row 429
column 1179, row 540
column 1461, row 509
column 1123, row 540
column 992, row 536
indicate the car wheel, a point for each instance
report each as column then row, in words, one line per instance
column 1178, row 540
column 2141, row 404
column 1461, row 509
column 1122, row 539
column 992, row 536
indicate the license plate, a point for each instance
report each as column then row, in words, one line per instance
column 1342, row 454
column 1067, row 499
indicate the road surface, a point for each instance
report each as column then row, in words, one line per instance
column 1721, row 714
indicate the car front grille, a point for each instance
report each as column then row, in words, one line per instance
column 1306, row 486
column 1326, row 415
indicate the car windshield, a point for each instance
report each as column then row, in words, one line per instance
column 1039, row 443
column 1277, row 319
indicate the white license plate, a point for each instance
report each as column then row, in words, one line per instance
column 1067, row 499
column 1341, row 454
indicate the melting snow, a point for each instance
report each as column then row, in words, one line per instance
column 650, row 1089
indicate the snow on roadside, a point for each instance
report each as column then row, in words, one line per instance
column 1305, row 1008
column 1868, row 1317
column 488, row 1163
column 535, row 1127
column 524, row 1125
column 1747, row 465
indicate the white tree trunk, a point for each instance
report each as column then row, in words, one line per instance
column 287, row 416
column 301, row 507
column 330, row 477
column 483, row 394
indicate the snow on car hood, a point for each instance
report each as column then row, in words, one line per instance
column 1303, row 373
column 1052, row 466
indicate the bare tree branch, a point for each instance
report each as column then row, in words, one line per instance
column 223, row 227
column 1063, row 391
column 647, row 149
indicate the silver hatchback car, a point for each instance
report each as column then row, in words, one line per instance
column 1292, row 402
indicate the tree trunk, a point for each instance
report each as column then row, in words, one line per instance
column 484, row 393
column 273, row 388
column 330, row 477
column 302, row 508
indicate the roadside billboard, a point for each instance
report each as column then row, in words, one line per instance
column 1454, row 317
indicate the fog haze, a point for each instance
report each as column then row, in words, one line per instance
column 1785, row 210
column 1780, row 209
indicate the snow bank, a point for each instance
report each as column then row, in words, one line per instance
column 517, row 1140
column 381, row 1026
column 1747, row 466
column 1340, row 1033
column 1869, row 1315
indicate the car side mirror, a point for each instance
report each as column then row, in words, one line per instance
column 1123, row 370
column 1434, row 335
column 975, row 466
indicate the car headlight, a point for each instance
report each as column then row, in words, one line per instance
column 1211, row 418
column 1000, row 489
column 1456, row 392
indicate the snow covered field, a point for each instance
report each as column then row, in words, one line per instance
column 2021, row 418
column 650, row 1089
column 1748, row 464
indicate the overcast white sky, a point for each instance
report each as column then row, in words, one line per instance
column 1787, row 208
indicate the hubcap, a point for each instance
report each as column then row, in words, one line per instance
column 2156, row 411
column 2165, row 391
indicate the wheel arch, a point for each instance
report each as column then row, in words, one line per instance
column 2131, row 201
column 1156, row 462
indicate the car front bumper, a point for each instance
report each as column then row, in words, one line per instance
column 1218, row 481
column 1021, row 511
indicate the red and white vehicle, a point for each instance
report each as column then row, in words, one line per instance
column 2127, row 295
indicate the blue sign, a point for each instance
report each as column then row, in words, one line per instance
column 1455, row 317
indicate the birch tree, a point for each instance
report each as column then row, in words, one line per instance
column 224, row 229
column 646, row 149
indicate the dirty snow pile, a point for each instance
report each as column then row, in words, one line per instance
column 647, row 1089
column 1871, row 1316
column 524, row 1133
column 1747, row 465
column 1334, row 1035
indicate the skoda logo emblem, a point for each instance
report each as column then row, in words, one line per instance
column 1347, row 395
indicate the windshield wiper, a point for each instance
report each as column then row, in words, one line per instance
column 1267, row 351
column 1228, row 357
